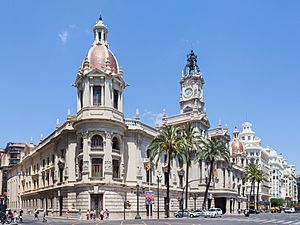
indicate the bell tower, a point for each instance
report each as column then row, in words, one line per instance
column 191, row 87
column 99, row 81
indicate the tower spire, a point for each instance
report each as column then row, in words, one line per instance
column 100, row 17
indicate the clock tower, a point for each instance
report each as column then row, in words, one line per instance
column 191, row 87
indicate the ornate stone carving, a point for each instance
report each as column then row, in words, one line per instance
column 108, row 166
column 85, row 167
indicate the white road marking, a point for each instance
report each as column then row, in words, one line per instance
column 288, row 222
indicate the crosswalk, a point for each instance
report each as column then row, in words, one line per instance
column 261, row 221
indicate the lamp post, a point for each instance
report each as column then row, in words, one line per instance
column 137, row 217
column 158, row 180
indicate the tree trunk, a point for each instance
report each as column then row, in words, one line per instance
column 251, row 187
column 257, row 191
column 168, row 188
column 187, row 185
column 208, row 183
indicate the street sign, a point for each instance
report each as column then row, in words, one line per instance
column 149, row 198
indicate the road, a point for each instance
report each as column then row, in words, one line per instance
column 266, row 219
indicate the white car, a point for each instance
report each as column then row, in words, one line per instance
column 213, row 212
column 289, row 210
column 197, row 213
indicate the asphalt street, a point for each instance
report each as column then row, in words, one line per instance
column 266, row 219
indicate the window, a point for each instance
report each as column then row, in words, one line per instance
column 115, row 143
column 80, row 165
column 224, row 177
column 97, row 141
column 100, row 36
column 81, row 99
column 48, row 161
column 97, row 95
column 81, row 143
column 53, row 158
column 249, row 138
column 180, row 181
column 166, row 177
column 116, row 99
column 116, row 168
column 62, row 153
column 97, row 167
column 44, row 163
column 243, row 138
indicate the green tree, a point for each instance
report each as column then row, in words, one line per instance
column 254, row 174
column 259, row 178
column 250, row 176
column 276, row 202
column 211, row 150
column 189, row 138
column 168, row 142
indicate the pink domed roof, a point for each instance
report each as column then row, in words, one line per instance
column 236, row 147
column 99, row 55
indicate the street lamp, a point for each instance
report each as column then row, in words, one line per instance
column 137, row 217
column 158, row 180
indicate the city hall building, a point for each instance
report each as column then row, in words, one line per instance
column 97, row 159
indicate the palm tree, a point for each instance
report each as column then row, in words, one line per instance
column 210, row 150
column 253, row 174
column 168, row 142
column 189, row 138
column 259, row 178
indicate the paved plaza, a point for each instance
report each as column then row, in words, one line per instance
column 225, row 220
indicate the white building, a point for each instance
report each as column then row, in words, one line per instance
column 258, row 155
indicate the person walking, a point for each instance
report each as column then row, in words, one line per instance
column 106, row 214
column 44, row 216
column 94, row 214
column 21, row 216
column 79, row 214
column 36, row 215
column 101, row 214
column 87, row 214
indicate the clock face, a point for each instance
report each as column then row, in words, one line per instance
column 188, row 92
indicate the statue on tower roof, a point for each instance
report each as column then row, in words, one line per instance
column 191, row 65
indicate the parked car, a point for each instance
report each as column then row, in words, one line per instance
column 289, row 210
column 253, row 211
column 197, row 213
column 182, row 213
column 213, row 212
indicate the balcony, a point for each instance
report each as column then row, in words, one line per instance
column 116, row 151
column 98, row 148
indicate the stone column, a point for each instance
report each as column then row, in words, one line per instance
column 102, row 94
column 91, row 95
column 107, row 157
column 86, row 159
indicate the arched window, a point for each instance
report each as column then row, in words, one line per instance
column 97, row 141
column 115, row 143
column 81, row 143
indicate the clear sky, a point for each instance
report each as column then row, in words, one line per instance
column 248, row 51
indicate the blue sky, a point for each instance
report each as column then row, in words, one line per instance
column 248, row 52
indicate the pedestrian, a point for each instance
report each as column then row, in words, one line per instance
column 101, row 214
column 94, row 214
column 44, row 216
column 87, row 214
column 67, row 213
column 15, row 216
column 79, row 214
column 36, row 215
column 91, row 214
column 106, row 214
column 21, row 216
